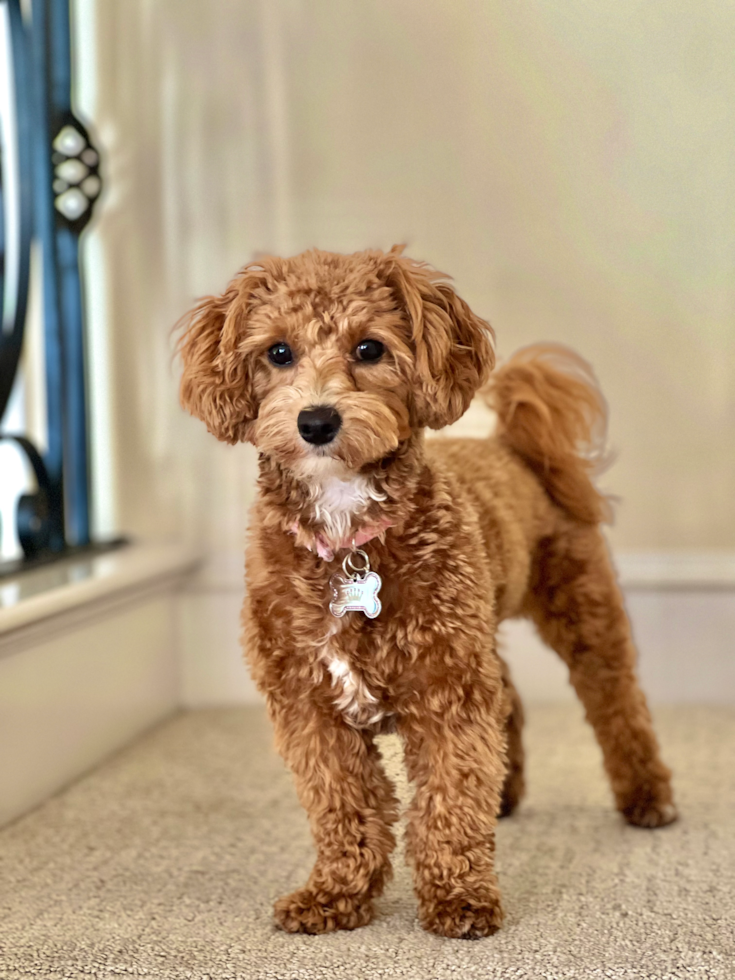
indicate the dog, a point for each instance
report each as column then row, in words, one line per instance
column 379, row 566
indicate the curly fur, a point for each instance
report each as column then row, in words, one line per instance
column 477, row 531
column 551, row 412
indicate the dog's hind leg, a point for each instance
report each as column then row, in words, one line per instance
column 515, row 784
column 576, row 604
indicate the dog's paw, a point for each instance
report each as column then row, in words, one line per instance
column 512, row 794
column 650, row 814
column 316, row 913
column 463, row 918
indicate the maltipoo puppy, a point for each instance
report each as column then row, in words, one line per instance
column 379, row 566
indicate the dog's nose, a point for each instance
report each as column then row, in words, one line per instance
column 319, row 425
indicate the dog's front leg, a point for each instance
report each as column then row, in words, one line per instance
column 455, row 750
column 351, row 807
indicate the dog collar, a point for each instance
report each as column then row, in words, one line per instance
column 326, row 550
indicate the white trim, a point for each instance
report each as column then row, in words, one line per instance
column 681, row 604
column 224, row 571
column 37, row 604
column 88, row 659
column 643, row 570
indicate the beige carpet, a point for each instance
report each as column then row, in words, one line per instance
column 164, row 862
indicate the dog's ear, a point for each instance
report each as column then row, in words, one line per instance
column 454, row 348
column 217, row 378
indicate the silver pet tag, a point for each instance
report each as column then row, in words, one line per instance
column 357, row 589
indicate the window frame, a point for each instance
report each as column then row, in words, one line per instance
column 57, row 186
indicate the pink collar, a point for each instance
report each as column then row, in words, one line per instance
column 327, row 550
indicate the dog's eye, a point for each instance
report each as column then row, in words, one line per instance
column 280, row 354
column 369, row 350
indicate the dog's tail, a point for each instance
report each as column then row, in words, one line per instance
column 552, row 413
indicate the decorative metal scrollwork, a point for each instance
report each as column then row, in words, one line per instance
column 34, row 510
column 77, row 182
column 58, row 181
column 14, row 311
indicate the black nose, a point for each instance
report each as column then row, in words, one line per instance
column 319, row 425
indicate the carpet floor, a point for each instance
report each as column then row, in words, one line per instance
column 164, row 862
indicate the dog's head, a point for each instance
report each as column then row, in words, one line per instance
column 328, row 362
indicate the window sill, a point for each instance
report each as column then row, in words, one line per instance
column 56, row 597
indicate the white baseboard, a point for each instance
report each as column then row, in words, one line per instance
column 685, row 647
column 86, row 664
column 95, row 652
column 682, row 607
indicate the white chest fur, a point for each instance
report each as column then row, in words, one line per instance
column 337, row 501
column 352, row 696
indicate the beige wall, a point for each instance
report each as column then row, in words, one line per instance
column 572, row 164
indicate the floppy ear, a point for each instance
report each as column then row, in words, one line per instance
column 454, row 348
column 217, row 380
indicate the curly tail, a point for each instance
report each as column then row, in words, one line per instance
column 552, row 413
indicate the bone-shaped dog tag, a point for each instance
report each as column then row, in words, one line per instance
column 357, row 589
column 356, row 595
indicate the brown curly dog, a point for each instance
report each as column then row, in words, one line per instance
column 332, row 366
